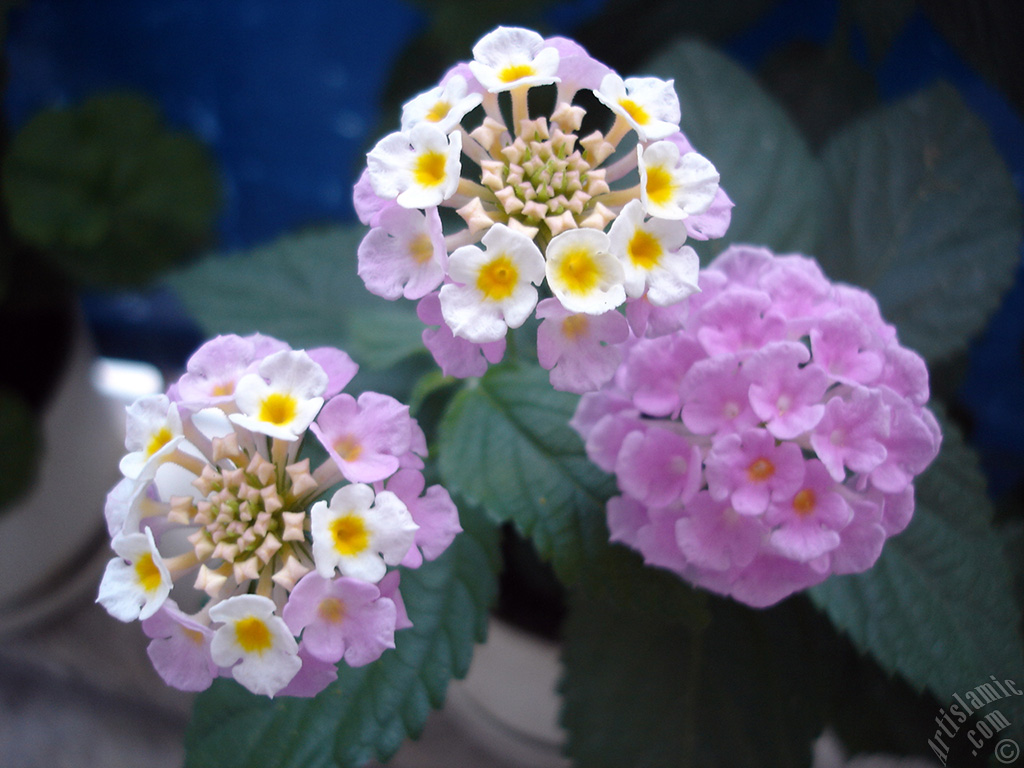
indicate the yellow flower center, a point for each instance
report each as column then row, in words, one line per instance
column 575, row 327
column 350, row 535
column 514, row 72
column 224, row 389
column 429, row 170
column 804, row 502
column 331, row 610
column 348, row 448
column 253, row 635
column 579, row 272
column 438, row 112
column 421, row 249
column 659, row 185
column 760, row 470
column 148, row 574
column 644, row 249
column 158, row 440
column 635, row 111
column 278, row 409
column 498, row 279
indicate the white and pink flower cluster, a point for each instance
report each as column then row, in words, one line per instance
column 242, row 558
column 478, row 206
column 769, row 442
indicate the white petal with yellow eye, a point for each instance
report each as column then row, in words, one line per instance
column 582, row 272
column 418, row 168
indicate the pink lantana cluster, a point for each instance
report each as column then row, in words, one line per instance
column 479, row 206
column 772, row 440
column 240, row 556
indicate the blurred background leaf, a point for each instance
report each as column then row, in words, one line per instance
column 765, row 164
column 923, row 214
column 107, row 193
column 643, row 691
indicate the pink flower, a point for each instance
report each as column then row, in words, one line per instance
column 215, row 368
column 739, row 322
column 405, row 255
column 714, row 536
column 180, row 649
column 844, row 346
column 457, row 357
column 850, row 433
column 433, row 511
column 313, row 676
column 658, row 467
column 580, row 350
column 366, row 437
column 715, row 397
column 785, row 392
column 909, row 445
column 798, row 417
column 341, row 618
column 750, row 470
column 655, row 372
column 807, row 525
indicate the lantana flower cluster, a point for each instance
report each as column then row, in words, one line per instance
column 240, row 556
column 486, row 212
column 772, row 440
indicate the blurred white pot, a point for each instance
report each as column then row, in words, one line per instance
column 53, row 541
column 509, row 702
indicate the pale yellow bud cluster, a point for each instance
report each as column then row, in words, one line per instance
column 244, row 523
column 541, row 183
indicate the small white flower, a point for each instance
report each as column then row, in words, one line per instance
column 493, row 289
column 418, row 168
column 650, row 105
column 582, row 272
column 654, row 257
column 254, row 643
column 152, row 432
column 510, row 56
column 360, row 534
column 136, row 582
column 674, row 186
column 284, row 398
column 444, row 106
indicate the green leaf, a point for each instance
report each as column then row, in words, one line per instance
column 301, row 288
column 764, row 162
column 924, row 215
column 619, row 576
column 107, row 192
column 747, row 690
column 384, row 336
column 938, row 607
column 369, row 711
column 506, row 444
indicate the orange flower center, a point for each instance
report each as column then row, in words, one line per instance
column 760, row 470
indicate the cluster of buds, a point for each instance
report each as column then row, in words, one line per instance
column 769, row 442
column 242, row 558
column 530, row 204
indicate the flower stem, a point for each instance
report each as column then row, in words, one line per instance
column 520, row 109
